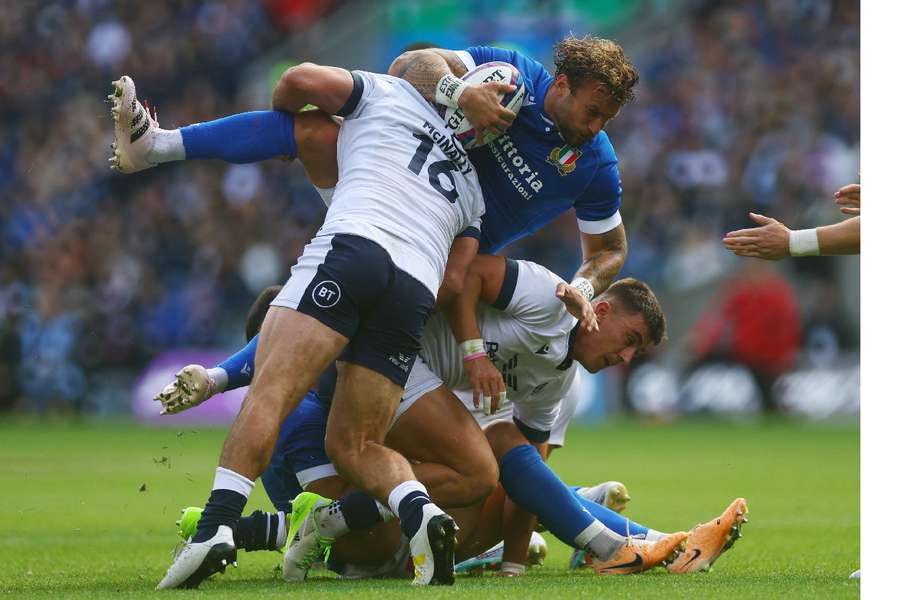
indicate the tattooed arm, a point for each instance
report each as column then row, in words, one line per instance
column 480, row 103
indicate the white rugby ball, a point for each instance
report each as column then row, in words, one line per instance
column 493, row 71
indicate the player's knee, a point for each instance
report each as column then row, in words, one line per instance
column 480, row 475
column 345, row 454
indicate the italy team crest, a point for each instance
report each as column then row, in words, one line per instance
column 564, row 158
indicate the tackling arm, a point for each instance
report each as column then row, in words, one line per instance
column 329, row 88
column 480, row 103
column 483, row 281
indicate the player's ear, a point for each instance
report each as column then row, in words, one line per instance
column 602, row 308
column 562, row 81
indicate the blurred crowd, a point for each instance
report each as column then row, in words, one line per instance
column 741, row 105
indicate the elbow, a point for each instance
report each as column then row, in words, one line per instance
column 293, row 81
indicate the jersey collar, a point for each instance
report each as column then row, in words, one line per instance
column 567, row 361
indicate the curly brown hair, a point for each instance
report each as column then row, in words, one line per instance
column 635, row 296
column 593, row 58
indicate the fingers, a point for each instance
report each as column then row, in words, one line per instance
column 851, row 189
column 476, row 395
column 848, row 210
column 762, row 219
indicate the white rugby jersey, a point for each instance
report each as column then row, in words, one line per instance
column 527, row 334
column 567, row 406
column 404, row 181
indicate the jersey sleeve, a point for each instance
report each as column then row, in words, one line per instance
column 597, row 208
column 472, row 230
column 365, row 88
column 528, row 293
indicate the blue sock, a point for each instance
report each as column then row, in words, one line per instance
column 535, row 487
column 242, row 138
column 613, row 520
column 239, row 365
column 224, row 507
column 410, row 512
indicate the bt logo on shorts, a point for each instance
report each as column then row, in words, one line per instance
column 401, row 360
column 326, row 294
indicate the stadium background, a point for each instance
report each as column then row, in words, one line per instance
column 109, row 283
column 108, row 280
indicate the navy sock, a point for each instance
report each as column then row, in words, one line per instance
column 360, row 511
column 535, row 487
column 613, row 520
column 224, row 507
column 410, row 512
column 259, row 531
column 240, row 365
column 242, row 138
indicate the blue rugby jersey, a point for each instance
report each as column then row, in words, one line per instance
column 530, row 176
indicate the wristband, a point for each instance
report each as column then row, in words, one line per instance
column 584, row 286
column 471, row 348
column 804, row 242
column 511, row 568
column 449, row 89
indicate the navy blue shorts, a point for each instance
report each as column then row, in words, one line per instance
column 350, row 284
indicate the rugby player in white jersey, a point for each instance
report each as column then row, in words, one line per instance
column 530, row 333
column 360, row 294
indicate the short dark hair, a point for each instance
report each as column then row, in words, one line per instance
column 259, row 309
column 592, row 58
column 636, row 297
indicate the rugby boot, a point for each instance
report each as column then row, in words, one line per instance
column 432, row 548
column 492, row 558
column 134, row 128
column 197, row 561
column 708, row 541
column 638, row 555
column 187, row 524
column 305, row 544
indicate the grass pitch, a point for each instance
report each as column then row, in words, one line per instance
column 88, row 511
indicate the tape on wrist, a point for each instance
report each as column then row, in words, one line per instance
column 584, row 286
column 449, row 89
column 473, row 349
column 804, row 242
column 512, row 568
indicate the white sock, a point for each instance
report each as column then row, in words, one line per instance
column 602, row 541
column 167, row 146
column 654, row 535
column 226, row 479
column 281, row 535
column 219, row 377
column 401, row 491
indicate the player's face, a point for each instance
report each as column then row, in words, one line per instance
column 621, row 337
column 582, row 113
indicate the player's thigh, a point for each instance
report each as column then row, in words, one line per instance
column 437, row 428
column 316, row 134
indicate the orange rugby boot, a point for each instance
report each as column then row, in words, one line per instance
column 638, row 555
column 708, row 541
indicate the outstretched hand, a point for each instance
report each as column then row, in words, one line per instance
column 770, row 241
column 848, row 198
column 578, row 306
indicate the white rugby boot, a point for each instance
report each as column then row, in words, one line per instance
column 192, row 386
column 305, row 544
column 432, row 548
column 196, row 561
column 134, row 128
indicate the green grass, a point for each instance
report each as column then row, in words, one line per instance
column 74, row 522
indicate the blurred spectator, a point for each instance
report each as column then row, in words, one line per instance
column 754, row 321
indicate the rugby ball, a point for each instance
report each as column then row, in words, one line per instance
column 493, row 71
